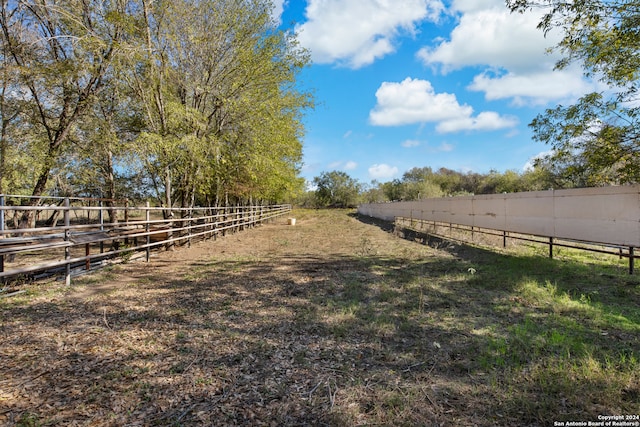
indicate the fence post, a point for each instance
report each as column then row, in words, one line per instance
column 550, row 247
column 504, row 239
column 208, row 220
column 87, row 245
column 224, row 221
column 101, row 219
column 2, row 234
column 126, row 219
column 189, row 224
column 146, row 229
column 67, row 249
column 631, row 259
column 215, row 222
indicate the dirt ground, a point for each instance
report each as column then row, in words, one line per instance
column 311, row 324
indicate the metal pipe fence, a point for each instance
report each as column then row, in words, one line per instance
column 90, row 233
column 493, row 237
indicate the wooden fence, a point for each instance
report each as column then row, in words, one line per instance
column 91, row 233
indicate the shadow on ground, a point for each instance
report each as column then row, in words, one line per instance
column 458, row 336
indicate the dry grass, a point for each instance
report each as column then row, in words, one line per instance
column 330, row 322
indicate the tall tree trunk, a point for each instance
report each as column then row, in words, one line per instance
column 168, row 202
column 27, row 219
column 168, row 211
column 111, row 188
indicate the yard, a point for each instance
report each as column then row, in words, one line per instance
column 333, row 321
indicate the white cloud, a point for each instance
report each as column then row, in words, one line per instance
column 350, row 165
column 492, row 36
column 278, row 7
column 347, row 134
column 531, row 88
column 485, row 121
column 409, row 143
column 415, row 101
column 529, row 165
column 341, row 165
column 489, row 35
column 382, row 171
column 474, row 5
column 357, row 32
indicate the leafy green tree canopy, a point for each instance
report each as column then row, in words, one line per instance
column 597, row 140
column 336, row 189
column 198, row 98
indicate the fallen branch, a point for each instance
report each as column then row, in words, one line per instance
column 186, row 411
column 332, row 396
column 104, row 317
column 314, row 389
column 12, row 294
column 415, row 365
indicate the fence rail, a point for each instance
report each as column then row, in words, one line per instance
column 469, row 234
column 605, row 216
column 32, row 244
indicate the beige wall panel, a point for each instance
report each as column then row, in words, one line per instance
column 591, row 230
column 440, row 209
column 400, row 210
column 605, row 215
column 489, row 212
column 530, row 213
column 425, row 209
column 614, row 206
column 461, row 210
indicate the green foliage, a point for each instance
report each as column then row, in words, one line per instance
column 60, row 56
column 197, row 98
column 590, row 145
column 595, row 141
column 226, row 113
column 339, row 190
column 336, row 189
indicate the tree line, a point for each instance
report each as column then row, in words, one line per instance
column 190, row 101
column 338, row 189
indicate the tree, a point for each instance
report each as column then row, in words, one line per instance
column 222, row 115
column 373, row 193
column 420, row 183
column 496, row 183
column 393, row 190
column 600, row 134
column 198, row 96
column 61, row 53
column 336, row 189
column 449, row 181
column 15, row 150
column 591, row 144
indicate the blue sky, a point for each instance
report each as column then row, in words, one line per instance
column 412, row 83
